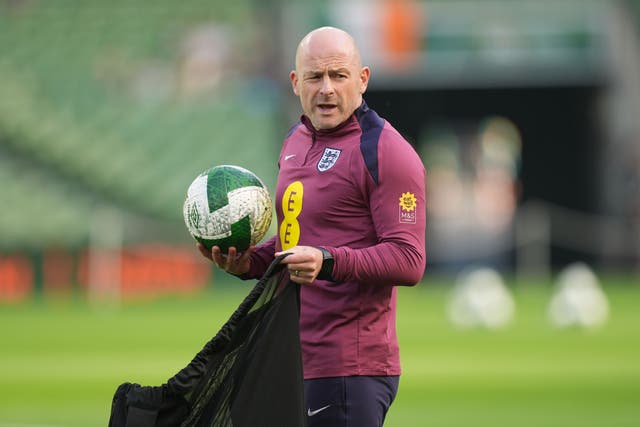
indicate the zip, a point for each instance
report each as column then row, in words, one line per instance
column 313, row 143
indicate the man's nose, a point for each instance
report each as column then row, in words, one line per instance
column 327, row 86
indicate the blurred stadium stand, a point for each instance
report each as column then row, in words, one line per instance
column 115, row 107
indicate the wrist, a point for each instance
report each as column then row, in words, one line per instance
column 326, row 271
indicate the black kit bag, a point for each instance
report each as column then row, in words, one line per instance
column 248, row 375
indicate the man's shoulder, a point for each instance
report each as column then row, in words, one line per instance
column 295, row 127
column 376, row 126
column 391, row 134
column 369, row 120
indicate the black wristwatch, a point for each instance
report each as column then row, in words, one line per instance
column 327, row 265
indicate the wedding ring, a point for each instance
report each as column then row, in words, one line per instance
column 295, row 272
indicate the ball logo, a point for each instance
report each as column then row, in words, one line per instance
column 194, row 216
column 291, row 208
column 407, row 212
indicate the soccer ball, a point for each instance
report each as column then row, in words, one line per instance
column 579, row 299
column 481, row 299
column 227, row 206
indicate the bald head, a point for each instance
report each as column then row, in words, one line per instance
column 328, row 41
column 329, row 77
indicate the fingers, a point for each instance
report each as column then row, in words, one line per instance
column 217, row 256
column 204, row 251
column 307, row 255
column 302, row 275
column 244, row 256
column 303, row 264
column 299, row 276
column 224, row 261
column 300, row 255
column 233, row 262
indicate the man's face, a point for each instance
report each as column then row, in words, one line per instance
column 330, row 84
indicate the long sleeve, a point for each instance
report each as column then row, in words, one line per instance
column 261, row 257
column 398, row 211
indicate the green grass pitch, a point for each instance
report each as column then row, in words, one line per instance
column 61, row 361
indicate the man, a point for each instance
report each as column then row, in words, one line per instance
column 350, row 203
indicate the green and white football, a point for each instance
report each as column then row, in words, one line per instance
column 227, row 206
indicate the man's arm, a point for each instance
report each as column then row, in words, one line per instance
column 398, row 210
column 260, row 259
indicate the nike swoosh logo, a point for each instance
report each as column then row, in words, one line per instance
column 288, row 156
column 311, row 413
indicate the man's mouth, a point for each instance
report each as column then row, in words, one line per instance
column 326, row 108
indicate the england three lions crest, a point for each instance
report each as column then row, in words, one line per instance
column 329, row 158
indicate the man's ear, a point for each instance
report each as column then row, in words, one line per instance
column 294, row 82
column 365, row 73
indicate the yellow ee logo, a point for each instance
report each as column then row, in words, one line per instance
column 291, row 208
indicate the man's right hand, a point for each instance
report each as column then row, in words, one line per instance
column 233, row 262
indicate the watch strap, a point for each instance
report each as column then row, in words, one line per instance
column 327, row 265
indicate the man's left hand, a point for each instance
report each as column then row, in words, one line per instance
column 304, row 263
